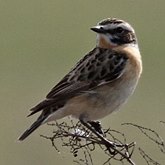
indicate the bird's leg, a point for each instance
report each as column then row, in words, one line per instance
column 111, row 146
column 97, row 126
column 108, row 143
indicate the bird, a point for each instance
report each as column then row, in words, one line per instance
column 100, row 83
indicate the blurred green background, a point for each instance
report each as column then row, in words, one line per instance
column 41, row 40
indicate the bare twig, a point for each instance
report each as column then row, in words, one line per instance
column 147, row 158
column 79, row 139
column 151, row 135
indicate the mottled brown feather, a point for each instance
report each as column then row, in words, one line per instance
column 77, row 80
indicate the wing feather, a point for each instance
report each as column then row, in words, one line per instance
column 98, row 67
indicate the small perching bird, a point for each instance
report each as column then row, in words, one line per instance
column 100, row 82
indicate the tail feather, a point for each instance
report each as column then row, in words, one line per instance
column 42, row 105
column 32, row 128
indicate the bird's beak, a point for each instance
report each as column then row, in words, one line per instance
column 98, row 29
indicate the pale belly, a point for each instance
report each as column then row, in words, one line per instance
column 99, row 103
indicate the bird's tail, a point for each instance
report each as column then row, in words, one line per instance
column 32, row 128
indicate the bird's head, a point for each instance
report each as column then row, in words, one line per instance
column 114, row 32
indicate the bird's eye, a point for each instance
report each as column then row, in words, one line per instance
column 119, row 30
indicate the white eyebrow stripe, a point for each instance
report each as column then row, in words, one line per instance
column 124, row 25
